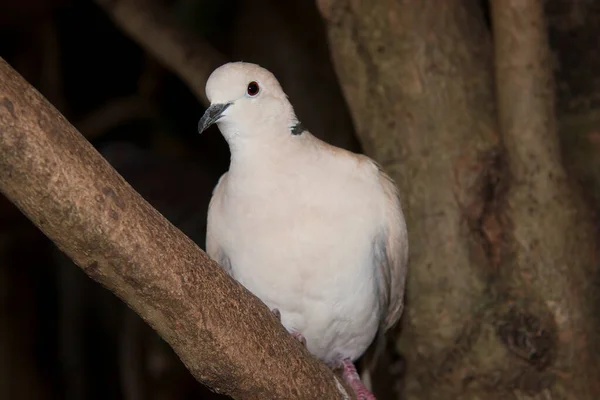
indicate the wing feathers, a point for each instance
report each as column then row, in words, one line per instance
column 393, row 254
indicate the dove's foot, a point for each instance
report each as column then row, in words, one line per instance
column 353, row 379
column 277, row 314
column 297, row 335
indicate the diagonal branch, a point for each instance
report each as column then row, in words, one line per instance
column 225, row 336
column 187, row 55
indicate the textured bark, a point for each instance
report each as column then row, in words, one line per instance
column 226, row 337
column 552, row 255
column 417, row 77
column 499, row 298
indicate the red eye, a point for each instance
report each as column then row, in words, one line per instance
column 253, row 89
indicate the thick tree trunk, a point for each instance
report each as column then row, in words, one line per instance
column 550, row 267
column 500, row 295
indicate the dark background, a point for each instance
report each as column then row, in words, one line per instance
column 62, row 336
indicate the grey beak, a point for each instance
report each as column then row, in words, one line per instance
column 211, row 115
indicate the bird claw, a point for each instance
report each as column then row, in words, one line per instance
column 364, row 394
column 297, row 335
column 277, row 314
column 352, row 378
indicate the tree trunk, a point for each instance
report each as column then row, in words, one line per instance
column 500, row 288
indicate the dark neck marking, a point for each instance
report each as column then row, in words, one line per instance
column 297, row 129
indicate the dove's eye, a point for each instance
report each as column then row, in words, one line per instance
column 253, row 89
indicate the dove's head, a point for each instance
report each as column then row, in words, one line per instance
column 246, row 102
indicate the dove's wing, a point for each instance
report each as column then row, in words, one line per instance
column 213, row 247
column 391, row 255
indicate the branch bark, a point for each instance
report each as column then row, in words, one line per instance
column 225, row 336
column 150, row 25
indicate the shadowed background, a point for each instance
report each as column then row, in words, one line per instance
column 62, row 336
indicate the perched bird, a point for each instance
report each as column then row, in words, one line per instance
column 315, row 231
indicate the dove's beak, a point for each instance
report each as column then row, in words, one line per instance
column 211, row 115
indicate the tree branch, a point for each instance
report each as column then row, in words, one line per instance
column 225, row 336
column 150, row 25
column 525, row 88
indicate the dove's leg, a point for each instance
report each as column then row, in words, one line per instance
column 277, row 314
column 353, row 379
column 297, row 335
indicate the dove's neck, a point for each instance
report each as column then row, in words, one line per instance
column 263, row 140
column 254, row 152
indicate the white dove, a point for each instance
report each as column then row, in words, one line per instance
column 315, row 231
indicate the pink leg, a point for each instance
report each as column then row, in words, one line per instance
column 297, row 335
column 353, row 379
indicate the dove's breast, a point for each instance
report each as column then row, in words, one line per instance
column 302, row 241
